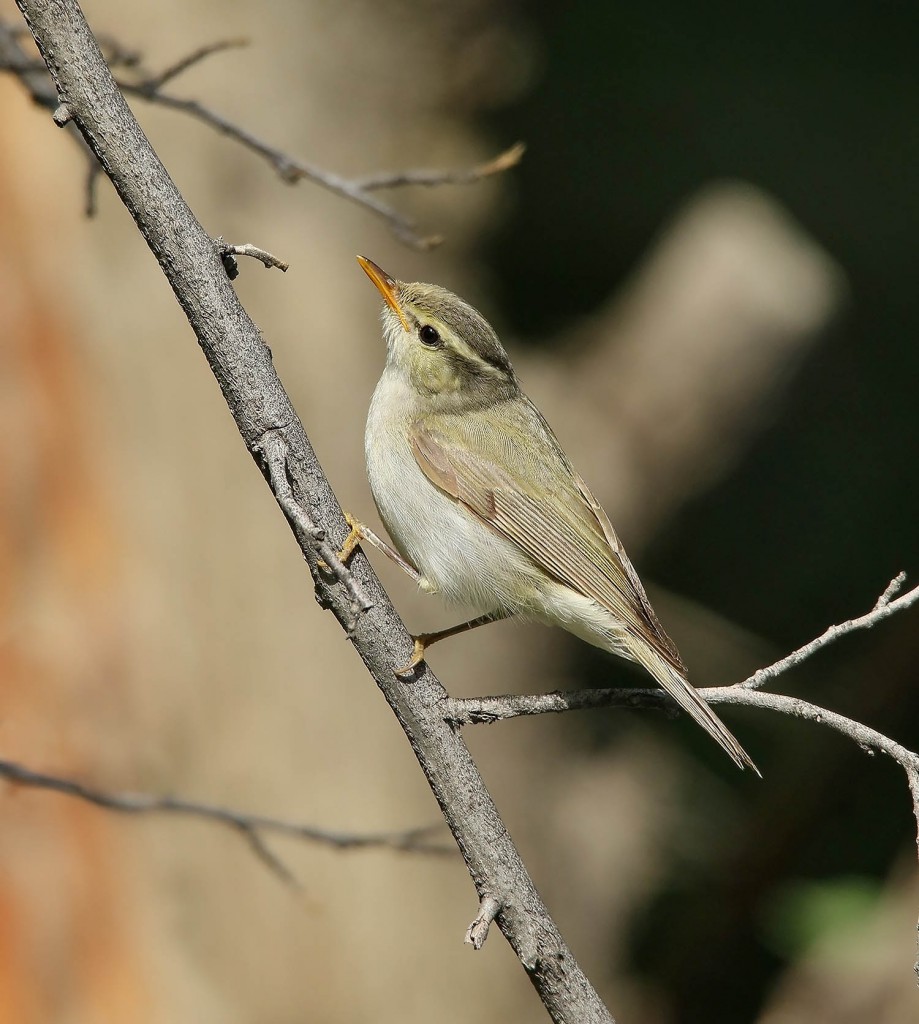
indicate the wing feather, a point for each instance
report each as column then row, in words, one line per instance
column 564, row 531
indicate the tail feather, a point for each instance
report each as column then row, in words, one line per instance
column 684, row 693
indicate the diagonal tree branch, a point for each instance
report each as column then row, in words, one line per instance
column 265, row 418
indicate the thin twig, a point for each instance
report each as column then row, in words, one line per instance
column 890, row 591
column 476, row 710
column 459, row 711
column 250, row 826
column 868, row 739
column 157, row 81
column 430, row 178
column 884, row 607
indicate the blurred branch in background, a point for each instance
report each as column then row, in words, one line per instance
column 250, row 826
column 149, row 87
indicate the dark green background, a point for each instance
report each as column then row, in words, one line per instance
column 634, row 109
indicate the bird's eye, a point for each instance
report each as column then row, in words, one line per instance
column 429, row 336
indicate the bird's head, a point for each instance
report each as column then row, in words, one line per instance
column 447, row 351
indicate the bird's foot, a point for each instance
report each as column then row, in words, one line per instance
column 422, row 642
column 353, row 540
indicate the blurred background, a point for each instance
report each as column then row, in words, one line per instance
column 702, row 270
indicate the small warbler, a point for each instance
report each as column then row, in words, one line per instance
column 484, row 506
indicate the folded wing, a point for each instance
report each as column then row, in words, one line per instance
column 564, row 530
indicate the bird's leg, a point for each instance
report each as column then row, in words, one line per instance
column 422, row 641
column 361, row 532
column 425, row 640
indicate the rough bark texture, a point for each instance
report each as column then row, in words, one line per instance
column 270, row 426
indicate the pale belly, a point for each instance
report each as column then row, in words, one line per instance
column 459, row 556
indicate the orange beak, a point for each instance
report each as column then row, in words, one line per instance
column 387, row 286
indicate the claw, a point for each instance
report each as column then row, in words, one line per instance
column 353, row 539
column 421, row 643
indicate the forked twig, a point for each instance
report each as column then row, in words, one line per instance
column 883, row 608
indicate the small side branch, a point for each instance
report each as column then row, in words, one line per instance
column 477, row 932
column 148, row 86
column 868, row 739
column 228, row 252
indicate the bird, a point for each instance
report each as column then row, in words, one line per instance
column 482, row 503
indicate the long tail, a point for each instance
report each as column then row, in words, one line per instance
column 684, row 693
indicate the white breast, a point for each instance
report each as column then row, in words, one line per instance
column 457, row 554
